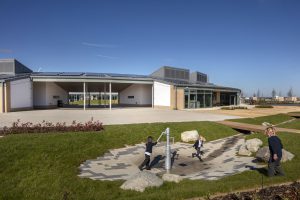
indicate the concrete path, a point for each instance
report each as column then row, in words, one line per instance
column 219, row 160
column 115, row 116
column 254, row 128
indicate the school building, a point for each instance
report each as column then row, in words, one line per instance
column 168, row 87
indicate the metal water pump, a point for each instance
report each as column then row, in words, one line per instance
column 168, row 149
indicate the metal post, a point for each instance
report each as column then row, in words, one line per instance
column 2, row 110
column 152, row 96
column 168, row 152
column 104, row 95
column 110, row 95
column 84, row 98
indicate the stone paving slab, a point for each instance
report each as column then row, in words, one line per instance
column 108, row 117
column 219, row 160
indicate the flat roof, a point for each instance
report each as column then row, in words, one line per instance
column 108, row 77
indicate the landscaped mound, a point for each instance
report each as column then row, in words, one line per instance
column 47, row 127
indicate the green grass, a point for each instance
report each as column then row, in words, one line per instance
column 295, row 113
column 273, row 119
column 293, row 125
column 45, row 166
column 234, row 108
column 264, row 106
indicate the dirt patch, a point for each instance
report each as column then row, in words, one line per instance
column 257, row 112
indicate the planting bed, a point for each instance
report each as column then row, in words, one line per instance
column 290, row 192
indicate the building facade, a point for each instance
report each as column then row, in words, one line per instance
column 167, row 87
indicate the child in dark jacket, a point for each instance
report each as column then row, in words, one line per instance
column 197, row 145
column 275, row 147
column 148, row 152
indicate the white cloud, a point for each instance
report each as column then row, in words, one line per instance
column 99, row 45
column 6, row 51
column 108, row 57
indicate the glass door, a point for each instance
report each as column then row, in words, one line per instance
column 232, row 99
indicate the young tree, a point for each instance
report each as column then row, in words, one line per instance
column 242, row 93
column 273, row 93
column 290, row 92
column 258, row 93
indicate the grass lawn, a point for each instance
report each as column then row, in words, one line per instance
column 294, row 124
column 45, row 166
column 273, row 119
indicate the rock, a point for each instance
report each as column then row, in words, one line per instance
column 253, row 144
column 263, row 154
column 172, row 178
column 243, row 151
column 142, row 180
column 286, row 155
column 189, row 136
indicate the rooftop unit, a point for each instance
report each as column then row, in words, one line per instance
column 171, row 73
column 13, row 67
column 198, row 77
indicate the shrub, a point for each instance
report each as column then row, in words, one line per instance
column 47, row 127
column 264, row 106
column 233, row 107
column 227, row 108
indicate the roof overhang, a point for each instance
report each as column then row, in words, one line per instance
column 219, row 89
column 90, row 79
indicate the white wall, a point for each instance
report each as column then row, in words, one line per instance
column 44, row 92
column 162, row 94
column 21, row 94
column 1, row 98
column 142, row 94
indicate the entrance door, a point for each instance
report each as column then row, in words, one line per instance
column 192, row 101
column 232, row 99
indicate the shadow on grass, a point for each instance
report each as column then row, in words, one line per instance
column 262, row 170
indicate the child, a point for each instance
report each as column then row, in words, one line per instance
column 198, row 144
column 148, row 152
column 275, row 147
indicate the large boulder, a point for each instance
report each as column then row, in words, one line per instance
column 243, row 151
column 189, row 136
column 172, row 178
column 142, row 180
column 263, row 154
column 253, row 144
column 286, row 155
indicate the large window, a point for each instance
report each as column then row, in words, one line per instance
column 228, row 98
column 194, row 98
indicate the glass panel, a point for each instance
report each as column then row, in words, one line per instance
column 193, row 100
column 186, row 100
column 208, row 100
column 200, row 100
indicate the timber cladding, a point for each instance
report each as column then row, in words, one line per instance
column 180, row 98
column 177, row 98
column 7, row 97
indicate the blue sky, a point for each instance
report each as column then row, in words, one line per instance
column 249, row 44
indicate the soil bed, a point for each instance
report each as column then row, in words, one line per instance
column 290, row 192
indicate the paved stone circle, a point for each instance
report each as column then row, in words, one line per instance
column 219, row 160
